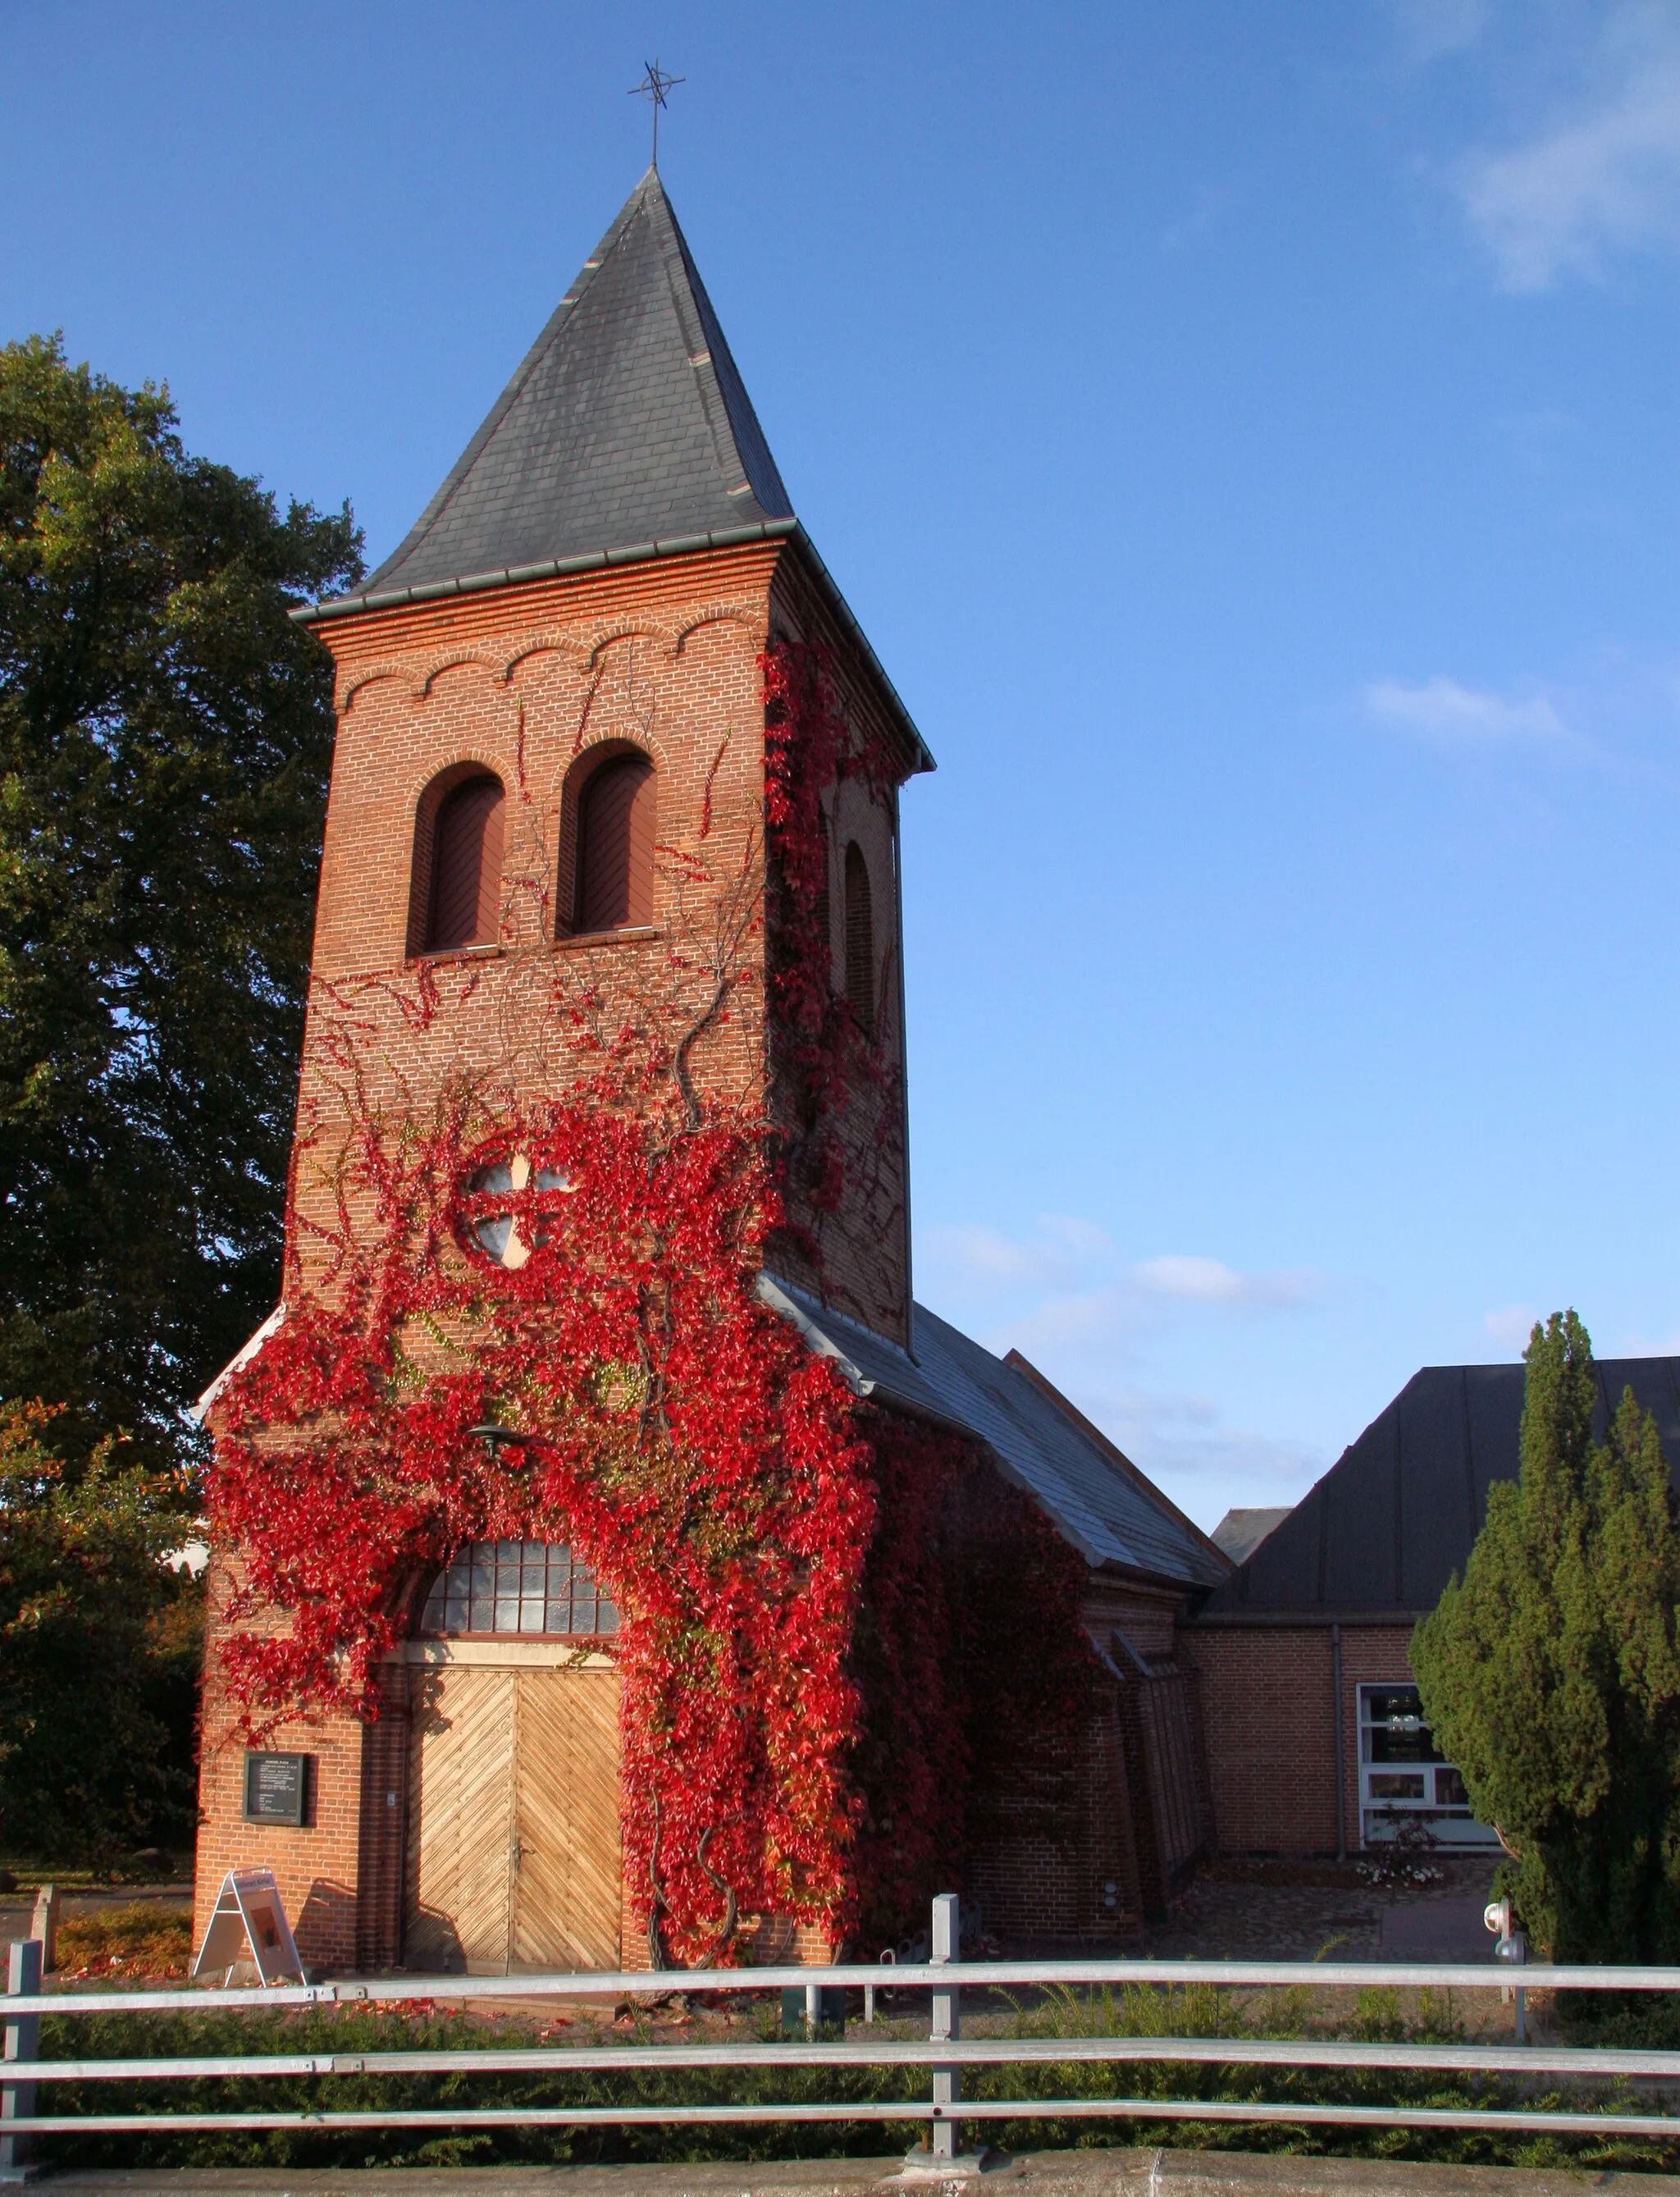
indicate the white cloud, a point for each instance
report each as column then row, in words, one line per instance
column 1512, row 1325
column 1466, row 718
column 1098, row 1328
column 1066, row 1296
column 1603, row 178
column 981, row 1260
column 1207, row 1466
column 1645, row 1346
column 1210, row 1281
column 1097, row 1323
column 1069, row 1298
column 1430, row 28
column 1074, row 1270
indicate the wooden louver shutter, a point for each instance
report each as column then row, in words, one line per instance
column 860, row 940
column 615, row 851
column 823, row 922
column 466, row 867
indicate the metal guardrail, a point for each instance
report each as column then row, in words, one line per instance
column 945, row 2052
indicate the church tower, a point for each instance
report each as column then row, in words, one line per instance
column 614, row 796
column 551, row 773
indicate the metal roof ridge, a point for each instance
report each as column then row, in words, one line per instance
column 854, row 632
column 242, row 1357
column 920, row 1396
column 1515, row 1365
column 715, row 363
column 645, row 225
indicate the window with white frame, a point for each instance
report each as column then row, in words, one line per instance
column 1404, row 1778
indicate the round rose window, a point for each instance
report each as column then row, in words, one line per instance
column 508, row 1210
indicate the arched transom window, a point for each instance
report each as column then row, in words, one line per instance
column 517, row 1587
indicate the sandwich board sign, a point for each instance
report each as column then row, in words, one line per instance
column 248, row 1922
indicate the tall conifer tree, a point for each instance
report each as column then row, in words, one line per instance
column 1550, row 1674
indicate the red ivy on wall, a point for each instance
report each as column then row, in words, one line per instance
column 776, row 1553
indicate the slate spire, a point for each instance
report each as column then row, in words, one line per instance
column 626, row 425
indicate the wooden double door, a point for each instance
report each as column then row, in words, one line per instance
column 512, row 1854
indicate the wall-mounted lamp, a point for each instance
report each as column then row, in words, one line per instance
column 494, row 1438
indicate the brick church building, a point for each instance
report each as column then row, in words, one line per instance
column 552, row 817
column 560, row 827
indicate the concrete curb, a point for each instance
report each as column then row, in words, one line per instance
column 1098, row 2173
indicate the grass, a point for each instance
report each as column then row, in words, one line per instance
column 1140, row 2011
column 29, row 1874
column 137, row 1942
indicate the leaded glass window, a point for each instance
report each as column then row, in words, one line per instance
column 518, row 1586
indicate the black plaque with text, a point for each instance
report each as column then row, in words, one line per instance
column 276, row 1788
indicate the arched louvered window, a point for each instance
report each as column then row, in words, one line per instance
column 860, row 940
column 615, row 848
column 465, row 902
column 517, row 1587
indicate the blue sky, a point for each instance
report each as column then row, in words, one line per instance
column 1251, row 437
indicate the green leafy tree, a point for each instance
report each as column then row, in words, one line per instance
column 1551, row 1676
column 100, row 1641
column 166, row 732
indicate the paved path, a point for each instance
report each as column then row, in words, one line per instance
column 1274, row 1912
column 1256, row 1913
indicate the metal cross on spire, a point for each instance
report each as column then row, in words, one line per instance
column 654, row 85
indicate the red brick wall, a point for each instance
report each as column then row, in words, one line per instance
column 1267, row 1702
column 318, row 1867
column 524, row 682
column 385, row 1820
column 1148, row 1616
column 1056, row 1841
column 865, row 1245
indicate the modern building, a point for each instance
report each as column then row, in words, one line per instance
column 1314, row 1733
